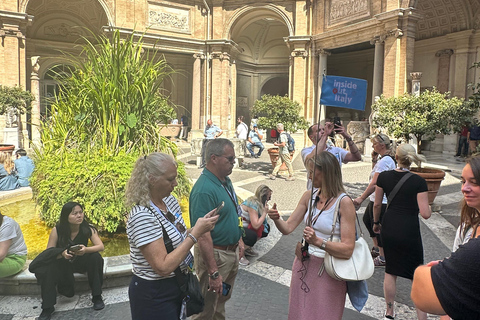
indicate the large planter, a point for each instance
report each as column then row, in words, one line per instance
column 7, row 148
column 274, row 153
column 433, row 177
column 170, row 130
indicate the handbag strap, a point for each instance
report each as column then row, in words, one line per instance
column 397, row 187
column 179, row 275
column 336, row 214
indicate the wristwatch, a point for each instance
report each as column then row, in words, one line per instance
column 324, row 244
column 376, row 222
column 214, row 275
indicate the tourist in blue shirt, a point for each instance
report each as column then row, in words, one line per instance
column 255, row 137
column 8, row 179
column 211, row 132
column 24, row 167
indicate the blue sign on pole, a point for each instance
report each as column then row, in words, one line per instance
column 344, row 92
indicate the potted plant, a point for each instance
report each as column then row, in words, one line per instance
column 423, row 116
column 14, row 101
column 278, row 109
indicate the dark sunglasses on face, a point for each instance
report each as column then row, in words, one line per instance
column 229, row 159
column 170, row 217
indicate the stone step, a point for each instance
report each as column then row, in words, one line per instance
column 117, row 273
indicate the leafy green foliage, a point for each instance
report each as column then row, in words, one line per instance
column 111, row 99
column 421, row 116
column 105, row 116
column 15, row 97
column 277, row 109
column 96, row 182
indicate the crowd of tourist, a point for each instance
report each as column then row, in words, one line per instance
column 15, row 173
column 224, row 232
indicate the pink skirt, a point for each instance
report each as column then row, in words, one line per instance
column 315, row 297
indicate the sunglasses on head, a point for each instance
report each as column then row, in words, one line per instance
column 170, row 217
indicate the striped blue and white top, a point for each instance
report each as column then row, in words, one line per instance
column 143, row 227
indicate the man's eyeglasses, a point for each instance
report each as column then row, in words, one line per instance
column 170, row 217
column 230, row 159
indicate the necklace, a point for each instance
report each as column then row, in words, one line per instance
column 162, row 206
column 404, row 169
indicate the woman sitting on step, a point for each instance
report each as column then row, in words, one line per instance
column 13, row 251
column 67, row 252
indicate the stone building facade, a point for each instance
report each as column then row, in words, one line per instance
column 228, row 53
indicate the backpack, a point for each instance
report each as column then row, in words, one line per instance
column 290, row 142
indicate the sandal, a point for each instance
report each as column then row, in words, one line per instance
column 379, row 262
column 375, row 252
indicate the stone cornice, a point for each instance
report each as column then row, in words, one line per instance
column 347, row 35
column 165, row 43
column 15, row 17
column 13, row 24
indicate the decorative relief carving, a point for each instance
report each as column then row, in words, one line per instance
column 446, row 52
column 299, row 53
column 416, row 75
column 199, row 56
column 322, row 51
column 168, row 18
column 59, row 30
column 347, row 10
column 220, row 56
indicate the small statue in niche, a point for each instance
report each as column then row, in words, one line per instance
column 11, row 118
column 359, row 131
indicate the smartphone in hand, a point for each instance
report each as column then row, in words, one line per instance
column 75, row 248
column 219, row 207
column 225, row 288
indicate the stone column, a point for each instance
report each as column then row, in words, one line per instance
column 443, row 76
column 299, row 47
column 416, row 76
column 35, row 90
column 197, row 110
column 322, row 70
column 399, row 49
column 377, row 85
column 220, row 89
column 299, row 80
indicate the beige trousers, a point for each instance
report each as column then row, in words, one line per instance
column 227, row 262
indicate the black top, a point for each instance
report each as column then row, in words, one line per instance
column 457, row 281
column 401, row 238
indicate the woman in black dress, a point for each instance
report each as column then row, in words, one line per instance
column 400, row 228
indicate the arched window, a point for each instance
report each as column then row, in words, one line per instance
column 50, row 87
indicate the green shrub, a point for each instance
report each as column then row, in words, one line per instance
column 97, row 182
column 277, row 109
column 105, row 116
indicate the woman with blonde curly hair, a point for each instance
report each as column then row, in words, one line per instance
column 8, row 180
column 400, row 227
column 382, row 146
column 254, row 216
column 155, row 222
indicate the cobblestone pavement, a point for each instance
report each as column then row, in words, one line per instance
column 261, row 289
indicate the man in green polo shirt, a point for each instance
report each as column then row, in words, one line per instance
column 217, row 253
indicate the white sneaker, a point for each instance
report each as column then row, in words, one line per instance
column 250, row 252
column 244, row 261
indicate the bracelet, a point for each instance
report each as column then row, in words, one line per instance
column 376, row 222
column 191, row 236
column 349, row 139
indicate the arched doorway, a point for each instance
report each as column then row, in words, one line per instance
column 277, row 86
column 55, row 31
column 264, row 61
